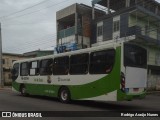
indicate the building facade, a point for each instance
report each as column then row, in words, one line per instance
column 106, row 21
column 9, row 58
column 74, row 27
column 138, row 20
column 7, row 61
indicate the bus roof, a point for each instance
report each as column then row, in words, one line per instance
column 101, row 47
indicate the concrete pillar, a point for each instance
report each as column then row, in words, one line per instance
column 108, row 6
column 127, row 3
column 93, row 12
column 76, row 25
column 57, row 33
column 148, row 26
column 136, row 2
column 156, row 10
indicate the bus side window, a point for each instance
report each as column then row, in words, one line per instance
column 46, row 67
column 79, row 64
column 101, row 62
column 34, row 70
column 15, row 71
column 61, row 66
column 24, row 69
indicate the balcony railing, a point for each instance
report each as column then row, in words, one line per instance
column 145, row 34
column 68, row 32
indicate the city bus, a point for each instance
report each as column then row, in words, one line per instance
column 110, row 72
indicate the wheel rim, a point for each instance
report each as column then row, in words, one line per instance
column 64, row 95
column 23, row 90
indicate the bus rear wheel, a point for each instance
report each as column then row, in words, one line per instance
column 64, row 95
column 23, row 90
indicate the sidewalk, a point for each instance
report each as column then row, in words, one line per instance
column 6, row 88
column 153, row 92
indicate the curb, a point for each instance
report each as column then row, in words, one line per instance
column 152, row 92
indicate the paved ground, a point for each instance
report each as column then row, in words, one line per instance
column 14, row 101
column 11, row 101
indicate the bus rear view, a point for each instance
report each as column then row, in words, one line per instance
column 134, row 70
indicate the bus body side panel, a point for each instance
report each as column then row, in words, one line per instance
column 38, row 89
column 15, row 86
column 42, row 89
column 103, row 86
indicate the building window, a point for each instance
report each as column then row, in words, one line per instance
column 9, row 76
column 135, row 56
column 46, row 67
column 116, row 26
column 101, row 62
column 155, row 72
column 3, row 61
column 99, row 30
column 34, row 69
column 157, row 60
column 61, row 66
column 79, row 64
column 24, row 69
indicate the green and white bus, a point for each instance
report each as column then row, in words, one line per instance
column 111, row 72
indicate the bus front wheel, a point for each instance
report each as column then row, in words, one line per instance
column 64, row 95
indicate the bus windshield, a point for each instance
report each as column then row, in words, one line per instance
column 135, row 56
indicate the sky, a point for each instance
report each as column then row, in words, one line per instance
column 34, row 27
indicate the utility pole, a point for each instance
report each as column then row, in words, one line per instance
column 1, row 66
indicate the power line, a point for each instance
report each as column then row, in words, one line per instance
column 44, row 1
column 36, row 43
column 29, row 47
column 36, row 10
column 141, row 30
column 54, row 35
column 42, row 39
column 47, row 7
column 28, row 8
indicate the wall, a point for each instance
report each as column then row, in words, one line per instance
column 153, row 82
column 153, row 79
column 9, row 60
column 107, row 29
column 143, row 23
column 86, row 26
column 151, row 56
column 8, row 65
column 66, row 11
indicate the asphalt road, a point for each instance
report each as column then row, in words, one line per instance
column 11, row 101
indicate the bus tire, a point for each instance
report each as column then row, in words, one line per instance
column 64, row 95
column 23, row 90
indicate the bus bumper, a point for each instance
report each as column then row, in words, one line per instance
column 128, row 96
